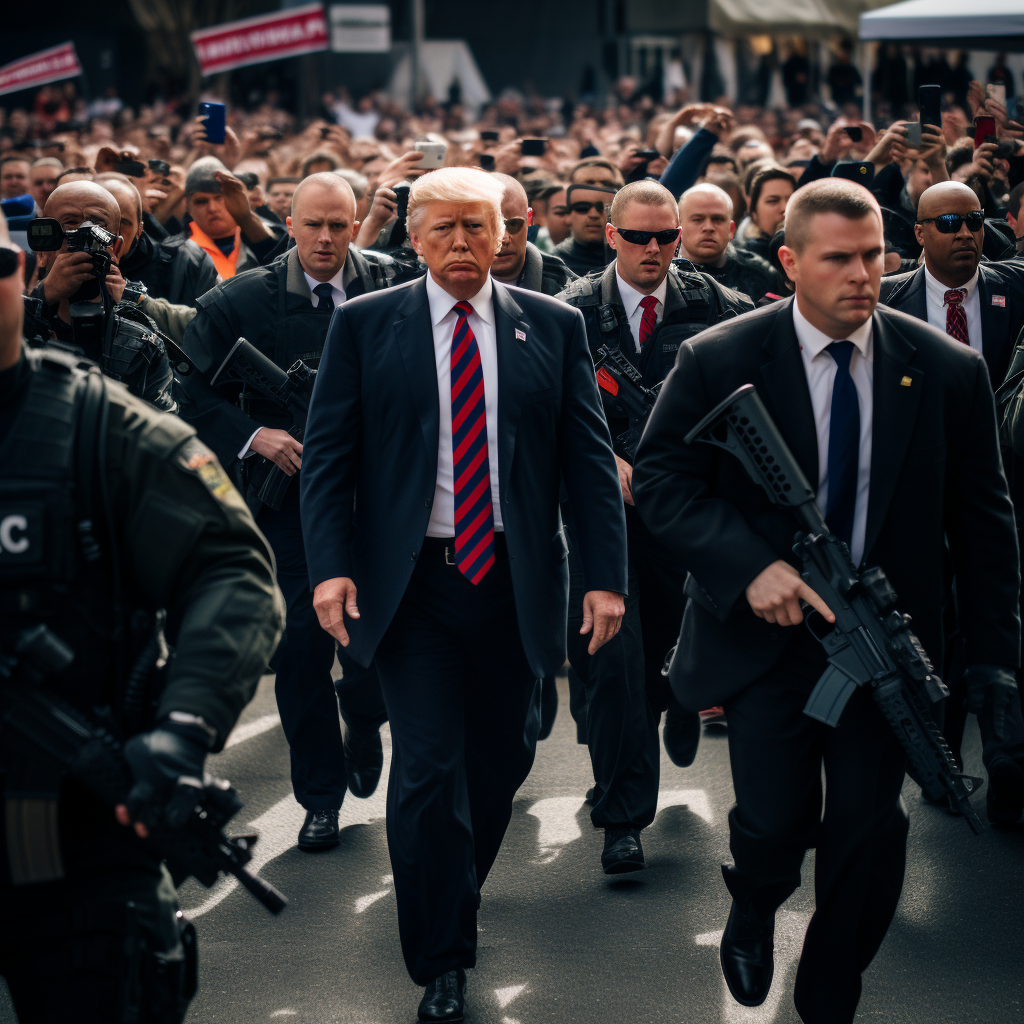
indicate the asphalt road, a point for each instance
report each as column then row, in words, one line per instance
column 560, row 942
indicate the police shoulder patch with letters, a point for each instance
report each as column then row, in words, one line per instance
column 194, row 456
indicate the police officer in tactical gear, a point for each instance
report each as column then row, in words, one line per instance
column 76, row 308
column 284, row 310
column 175, row 269
column 520, row 262
column 642, row 306
column 112, row 513
column 705, row 216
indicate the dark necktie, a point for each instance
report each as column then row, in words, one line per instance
column 324, row 296
column 649, row 318
column 843, row 445
column 471, row 468
column 956, row 318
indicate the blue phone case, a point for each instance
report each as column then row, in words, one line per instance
column 215, row 120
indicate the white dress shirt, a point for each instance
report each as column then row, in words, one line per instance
column 935, row 303
column 634, row 311
column 481, row 322
column 336, row 283
column 821, row 371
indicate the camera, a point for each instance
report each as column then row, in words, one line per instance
column 46, row 235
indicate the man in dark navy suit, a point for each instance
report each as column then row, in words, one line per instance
column 449, row 409
column 896, row 424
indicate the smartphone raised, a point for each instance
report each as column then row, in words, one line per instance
column 647, row 154
column 996, row 91
column 855, row 132
column 486, row 161
column 433, row 155
column 214, row 117
column 488, row 136
column 929, row 101
column 533, row 147
column 983, row 128
column 913, row 134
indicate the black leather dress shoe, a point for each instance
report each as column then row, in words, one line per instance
column 594, row 794
column 1005, row 797
column 622, row 851
column 364, row 760
column 444, row 998
column 748, row 956
column 319, row 831
column 682, row 734
column 548, row 706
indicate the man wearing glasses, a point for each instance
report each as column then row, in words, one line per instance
column 593, row 183
column 643, row 307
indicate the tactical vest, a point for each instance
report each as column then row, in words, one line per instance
column 51, row 568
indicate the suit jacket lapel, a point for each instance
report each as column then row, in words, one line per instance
column 894, row 410
column 511, row 379
column 414, row 334
column 786, row 394
column 995, row 324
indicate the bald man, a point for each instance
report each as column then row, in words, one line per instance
column 284, row 309
column 70, row 290
column 519, row 261
column 706, row 219
column 175, row 269
column 978, row 304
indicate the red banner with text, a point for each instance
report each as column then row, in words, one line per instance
column 40, row 68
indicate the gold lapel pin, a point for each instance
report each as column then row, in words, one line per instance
column 906, row 382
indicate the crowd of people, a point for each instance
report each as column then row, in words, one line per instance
column 685, row 252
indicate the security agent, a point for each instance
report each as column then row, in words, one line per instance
column 897, row 426
column 175, row 269
column 705, row 216
column 645, row 307
column 77, row 303
column 93, row 934
column 284, row 310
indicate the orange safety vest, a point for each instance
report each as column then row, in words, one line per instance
column 225, row 264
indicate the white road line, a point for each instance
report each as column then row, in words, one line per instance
column 279, row 826
column 789, row 938
column 506, row 995
column 695, row 799
column 558, row 825
column 241, row 733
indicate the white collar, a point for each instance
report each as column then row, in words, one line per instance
column 335, row 282
column 815, row 342
column 937, row 290
column 441, row 303
column 631, row 297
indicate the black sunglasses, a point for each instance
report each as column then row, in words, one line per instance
column 949, row 223
column 583, row 207
column 8, row 261
column 666, row 237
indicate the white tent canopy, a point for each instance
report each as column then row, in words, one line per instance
column 979, row 25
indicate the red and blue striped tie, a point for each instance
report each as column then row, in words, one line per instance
column 474, row 520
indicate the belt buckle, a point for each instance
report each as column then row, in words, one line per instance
column 448, row 556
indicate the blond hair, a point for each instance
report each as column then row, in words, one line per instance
column 457, row 185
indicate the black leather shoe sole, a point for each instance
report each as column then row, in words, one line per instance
column 620, row 862
column 315, row 845
column 740, row 999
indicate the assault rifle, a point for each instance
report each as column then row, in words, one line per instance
column 871, row 644
column 624, row 397
column 291, row 389
column 61, row 740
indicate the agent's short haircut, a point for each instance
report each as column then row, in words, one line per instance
column 646, row 193
column 763, row 177
column 323, row 179
column 457, row 185
column 708, row 188
column 595, row 161
column 126, row 182
column 827, row 195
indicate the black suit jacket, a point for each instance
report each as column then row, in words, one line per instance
column 372, row 436
column 1000, row 324
column 935, row 472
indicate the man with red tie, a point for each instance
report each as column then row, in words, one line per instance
column 444, row 416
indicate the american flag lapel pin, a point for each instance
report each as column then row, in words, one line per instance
column 520, row 334
column 999, row 300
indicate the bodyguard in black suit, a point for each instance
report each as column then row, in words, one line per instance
column 449, row 409
column 897, row 425
column 990, row 295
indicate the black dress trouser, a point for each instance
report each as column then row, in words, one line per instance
column 777, row 753
column 464, row 708
column 306, row 695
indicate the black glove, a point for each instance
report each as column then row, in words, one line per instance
column 992, row 696
column 158, row 759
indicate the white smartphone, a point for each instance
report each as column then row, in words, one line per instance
column 433, row 154
column 996, row 92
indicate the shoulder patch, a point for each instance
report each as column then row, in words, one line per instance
column 196, row 458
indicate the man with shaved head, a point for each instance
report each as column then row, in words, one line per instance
column 894, row 426
column 123, row 342
column 175, row 269
column 519, row 261
column 706, row 219
column 979, row 304
column 284, row 310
